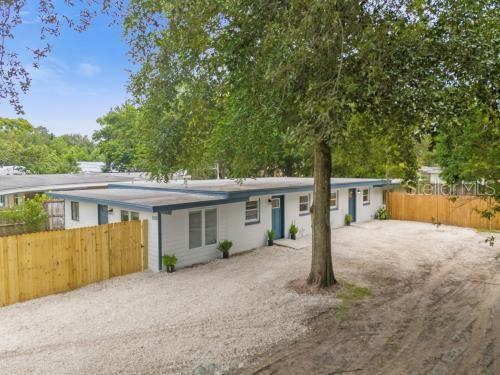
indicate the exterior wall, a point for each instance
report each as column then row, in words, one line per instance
column 230, row 225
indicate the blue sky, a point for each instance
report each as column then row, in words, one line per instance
column 82, row 79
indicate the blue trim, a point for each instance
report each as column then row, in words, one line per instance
column 160, row 259
column 181, row 206
column 173, row 190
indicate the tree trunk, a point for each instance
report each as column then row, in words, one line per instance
column 321, row 267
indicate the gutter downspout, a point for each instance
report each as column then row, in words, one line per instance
column 160, row 263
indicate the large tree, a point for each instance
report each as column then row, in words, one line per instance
column 241, row 75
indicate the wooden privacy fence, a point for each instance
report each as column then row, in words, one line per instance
column 39, row 264
column 460, row 212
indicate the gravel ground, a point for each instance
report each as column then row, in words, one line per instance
column 239, row 313
column 220, row 313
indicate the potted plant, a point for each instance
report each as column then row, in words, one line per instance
column 270, row 237
column 224, row 248
column 293, row 231
column 169, row 262
column 348, row 219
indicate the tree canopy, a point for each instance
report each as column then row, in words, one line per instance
column 40, row 151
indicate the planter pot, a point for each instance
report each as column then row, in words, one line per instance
column 270, row 242
column 225, row 254
column 348, row 223
column 293, row 236
column 170, row 268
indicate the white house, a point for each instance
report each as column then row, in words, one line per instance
column 189, row 218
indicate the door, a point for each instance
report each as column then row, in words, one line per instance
column 102, row 214
column 278, row 221
column 352, row 204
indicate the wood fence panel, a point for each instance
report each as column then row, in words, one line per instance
column 39, row 264
column 461, row 211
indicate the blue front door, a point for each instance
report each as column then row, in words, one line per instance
column 102, row 214
column 277, row 204
column 352, row 203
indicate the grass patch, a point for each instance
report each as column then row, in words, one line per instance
column 348, row 295
column 484, row 230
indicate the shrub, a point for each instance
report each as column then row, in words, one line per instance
column 382, row 213
column 169, row 260
column 270, row 234
column 348, row 219
column 224, row 246
column 293, row 229
column 31, row 213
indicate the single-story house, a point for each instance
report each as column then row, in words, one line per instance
column 189, row 218
column 16, row 188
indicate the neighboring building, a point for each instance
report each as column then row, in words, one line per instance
column 91, row 166
column 189, row 218
column 15, row 188
column 431, row 174
column 7, row 170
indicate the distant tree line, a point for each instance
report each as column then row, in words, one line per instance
column 40, row 151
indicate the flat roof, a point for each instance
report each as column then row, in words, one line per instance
column 11, row 184
column 175, row 195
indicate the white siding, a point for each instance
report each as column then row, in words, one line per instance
column 230, row 224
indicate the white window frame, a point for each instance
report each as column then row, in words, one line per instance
column 308, row 210
column 203, row 227
column 367, row 202
column 336, row 206
column 136, row 214
column 3, row 200
column 257, row 209
column 75, row 214
column 17, row 199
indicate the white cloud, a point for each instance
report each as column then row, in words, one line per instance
column 88, row 70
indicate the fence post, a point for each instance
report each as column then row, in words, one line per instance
column 144, row 244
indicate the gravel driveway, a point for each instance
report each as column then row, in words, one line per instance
column 235, row 312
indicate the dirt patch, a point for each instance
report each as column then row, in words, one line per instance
column 438, row 314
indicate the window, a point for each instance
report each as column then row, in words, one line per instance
column 334, row 200
column 17, row 200
column 210, row 226
column 75, row 211
column 275, row 202
column 366, row 196
column 134, row 215
column 124, row 215
column 3, row 201
column 195, row 229
column 304, row 204
column 384, row 197
column 252, row 212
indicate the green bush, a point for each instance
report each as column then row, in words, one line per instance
column 348, row 219
column 169, row 260
column 382, row 213
column 30, row 212
column 270, row 234
column 224, row 246
column 293, row 229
